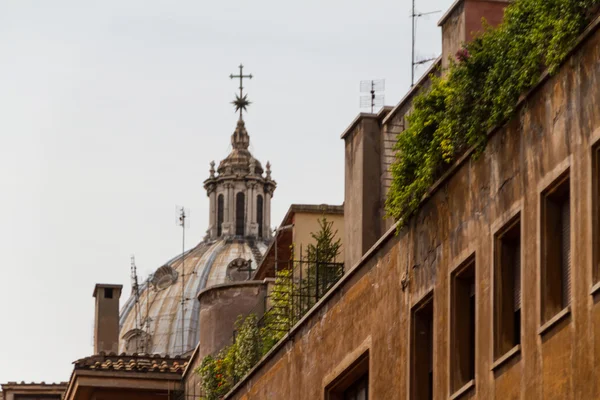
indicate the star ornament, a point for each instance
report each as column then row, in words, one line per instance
column 241, row 103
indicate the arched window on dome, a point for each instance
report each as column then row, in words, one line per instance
column 259, row 214
column 220, row 205
column 240, row 214
column 137, row 341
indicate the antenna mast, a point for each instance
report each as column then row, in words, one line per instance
column 414, row 15
column 372, row 94
column 135, row 288
column 183, row 214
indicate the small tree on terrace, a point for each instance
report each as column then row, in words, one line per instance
column 321, row 256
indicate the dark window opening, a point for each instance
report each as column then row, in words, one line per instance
column 596, row 211
column 359, row 390
column 556, row 248
column 463, row 325
column 507, row 288
column 259, row 214
column 108, row 293
column 353, row 383
column 422, row 351
column 220, row 205
column 240, row 214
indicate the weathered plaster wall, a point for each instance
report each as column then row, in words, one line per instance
column 220, row 307
column 556, row 127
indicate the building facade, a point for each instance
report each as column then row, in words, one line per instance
column 491, row 291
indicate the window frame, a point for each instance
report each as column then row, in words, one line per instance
column 351, row 375
column 549, row 307
column 498, row 291
column 466, row 267
column 420, row 306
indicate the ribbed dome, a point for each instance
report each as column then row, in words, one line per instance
column 206, row 265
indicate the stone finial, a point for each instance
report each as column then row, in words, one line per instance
column 252, row 166
column 212, row 169
column 268, row 170
column 240, row 139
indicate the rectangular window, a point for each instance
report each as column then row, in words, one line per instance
column 596, row 211
column 359, row 389
column 556, row 248
column 507, row 287
column 353, row 383
column 422, row 350
column 108, row 293
column 463, row 325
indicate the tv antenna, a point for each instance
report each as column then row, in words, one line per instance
column 183, row 222
column 415, row 15
column 372, row 94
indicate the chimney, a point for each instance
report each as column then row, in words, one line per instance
column 106, row 319
column 462, row 22
column 362, row 191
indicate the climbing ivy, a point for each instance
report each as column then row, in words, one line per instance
column 279, row 318
column 480, row 91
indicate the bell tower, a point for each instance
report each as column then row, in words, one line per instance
column 239, row 190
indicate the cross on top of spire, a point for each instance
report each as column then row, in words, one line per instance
column 241, row 101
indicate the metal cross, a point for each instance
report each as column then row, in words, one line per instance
column 241, row 100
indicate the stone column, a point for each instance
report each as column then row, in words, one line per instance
column 231, row 200
column 267, row 214
column 226, row 204
column 212, row 196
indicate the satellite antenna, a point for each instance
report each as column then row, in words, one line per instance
column 415, row 15
column 182, row 221
column 372, row 94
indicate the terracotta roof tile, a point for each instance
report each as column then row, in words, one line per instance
column 133, row 363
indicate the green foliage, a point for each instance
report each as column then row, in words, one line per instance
column 251, row 342
column 279, row 318
column 221, row 372
column 479, row 92
column 326, row 247
column 215, row 374
column 320, row 255
column 248, row 345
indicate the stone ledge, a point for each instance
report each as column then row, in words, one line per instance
column 546, row 327
column 506, row 357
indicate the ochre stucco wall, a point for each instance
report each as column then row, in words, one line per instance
column 555, row 128
column 307, row 223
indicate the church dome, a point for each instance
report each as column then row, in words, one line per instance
column 154, row 325
column 152, row 319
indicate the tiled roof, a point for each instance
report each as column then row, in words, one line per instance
column 23, row 383
column 132, row 363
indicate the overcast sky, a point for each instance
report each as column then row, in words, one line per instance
column 110, row 112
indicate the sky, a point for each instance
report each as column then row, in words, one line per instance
column 111, row 111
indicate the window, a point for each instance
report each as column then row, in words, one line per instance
column 507, row 287
column 353, row 383
column 259, row 214
column 240, row 215
column 108, row 293
column 596, row 211
column 462, row 359
column 220, row 203
column 359, row 390
column 556, row 248
column 422, row 350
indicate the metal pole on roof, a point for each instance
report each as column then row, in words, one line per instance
column 412, row 66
